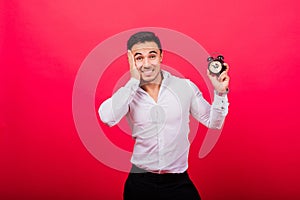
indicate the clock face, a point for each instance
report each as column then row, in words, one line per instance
column 215, row 67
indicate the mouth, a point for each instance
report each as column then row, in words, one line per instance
column 147, row 72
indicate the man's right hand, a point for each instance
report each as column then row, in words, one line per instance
column 134, row 72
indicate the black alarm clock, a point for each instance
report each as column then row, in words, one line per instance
column 216, row 65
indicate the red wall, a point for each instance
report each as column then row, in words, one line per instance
column 43, row 44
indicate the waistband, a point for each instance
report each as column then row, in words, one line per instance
column 137, row 170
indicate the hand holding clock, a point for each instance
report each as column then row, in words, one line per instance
column 218, row 74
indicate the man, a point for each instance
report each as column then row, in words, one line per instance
column 157, row 105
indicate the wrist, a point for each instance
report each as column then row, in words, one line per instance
column 222, row 93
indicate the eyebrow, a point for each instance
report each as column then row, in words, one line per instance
column 153, row 52
column 137, row 54
column 141, row 53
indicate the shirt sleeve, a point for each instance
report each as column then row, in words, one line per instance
column 113, row 109
column 212, row 116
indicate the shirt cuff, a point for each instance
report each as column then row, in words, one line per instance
column 220, row 102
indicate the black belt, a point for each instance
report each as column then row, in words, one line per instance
column 137, row 170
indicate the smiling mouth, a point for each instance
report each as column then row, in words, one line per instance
column 147, row 72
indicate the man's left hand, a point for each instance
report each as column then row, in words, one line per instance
column 221, row 82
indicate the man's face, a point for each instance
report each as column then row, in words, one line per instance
column 147, row 58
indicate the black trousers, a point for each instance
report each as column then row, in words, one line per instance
column 143, row 185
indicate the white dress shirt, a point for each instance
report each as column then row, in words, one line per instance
column 161, row 128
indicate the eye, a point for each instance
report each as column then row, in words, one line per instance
column 153, row 56
column 139, row 58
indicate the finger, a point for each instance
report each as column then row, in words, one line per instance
column 210, row 76
column 131, row 59
column 129, row 54
column 227, row 67
column 223, row 76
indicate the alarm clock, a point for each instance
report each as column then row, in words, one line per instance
column 216, row 65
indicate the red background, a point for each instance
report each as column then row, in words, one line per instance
column 43, row 44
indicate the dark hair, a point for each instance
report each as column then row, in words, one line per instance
column 141, row 37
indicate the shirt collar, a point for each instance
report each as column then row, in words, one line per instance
column 166, row 76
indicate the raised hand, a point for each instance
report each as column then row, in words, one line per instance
column 134, row 72
column 221, row 82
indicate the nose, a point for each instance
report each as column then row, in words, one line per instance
column 146, row 63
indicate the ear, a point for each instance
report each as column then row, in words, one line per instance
column 161, row 56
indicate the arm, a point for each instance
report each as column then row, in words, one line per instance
column 212, row 116
column 113, row 109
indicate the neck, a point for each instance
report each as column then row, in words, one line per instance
column 151, row 87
